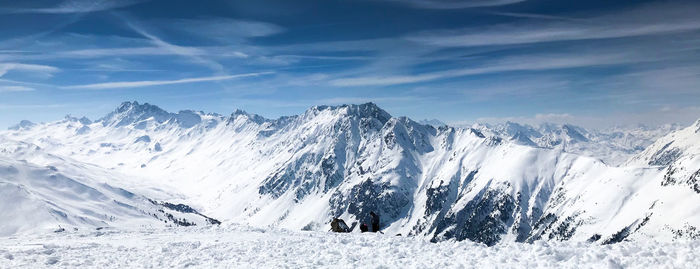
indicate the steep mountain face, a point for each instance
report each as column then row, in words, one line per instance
column 678, row 154
column 346, row 161
column 657, row 190
column 614, row 146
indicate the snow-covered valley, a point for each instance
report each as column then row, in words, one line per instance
column 141, row 169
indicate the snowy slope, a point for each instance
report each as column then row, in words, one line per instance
column 665, row 151
column 299, row 172
column 54, row 198
column 246, row 247
column 614, row 145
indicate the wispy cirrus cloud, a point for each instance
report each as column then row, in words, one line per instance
column 16, row 89
column 129, row 51
column 647, row 20
column 455, row 4
column 513, row 63
column 193, row 54
column 75, row 6
column 223, row 29
column 523, row 34
column 146, row 83
column 534, row 16
column 45, row 69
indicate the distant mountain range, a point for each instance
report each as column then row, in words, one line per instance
column 613, row 145
column 485, row 183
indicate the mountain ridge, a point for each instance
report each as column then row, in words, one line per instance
column 346, row 161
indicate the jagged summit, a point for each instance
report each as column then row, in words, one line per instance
column 135, row 106
column 366, row 110
column 82, row 120
column 574, row 133
column 133, row 112
column 253, row 117
column 346, row 161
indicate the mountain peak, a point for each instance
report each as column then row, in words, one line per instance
column 253, row 117
column 131, row 112
column 23, row 124
column 135, row 106
column 82, row 120
column 369, row 110
column 433, row 122
column 366, row 110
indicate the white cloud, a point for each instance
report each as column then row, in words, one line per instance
column 15, row 89
column 223, row 28
column 37, row 68
column 193, row 54
column 523, row 34
column 647, row 20
column 456, row 4
column 534, row 16
column 146, row 83
column 76, row 6
column 133, row 51
column 517, row 63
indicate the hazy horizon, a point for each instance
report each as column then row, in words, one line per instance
column 534, row 121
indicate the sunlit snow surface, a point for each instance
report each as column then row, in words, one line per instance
column 235, row 246
column 301, row 171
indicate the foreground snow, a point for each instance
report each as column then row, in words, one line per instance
column 235, row 246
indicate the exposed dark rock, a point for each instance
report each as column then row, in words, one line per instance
column 182, row 208
column 367, row 197
column 484, row 219
column 665, row 156
column 688, row 232
column 594, row 238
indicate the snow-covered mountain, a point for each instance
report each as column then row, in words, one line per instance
column 434, row 122
column 299, row 172
column 62, row 194
column 614, row 145
column 680, row 144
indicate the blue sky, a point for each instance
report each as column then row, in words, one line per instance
column 593, row 63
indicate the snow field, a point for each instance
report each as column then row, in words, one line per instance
column 235, row 246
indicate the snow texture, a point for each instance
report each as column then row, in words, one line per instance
column 300, row 172
column 235, row 246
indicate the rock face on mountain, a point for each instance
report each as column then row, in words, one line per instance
column 347, row 161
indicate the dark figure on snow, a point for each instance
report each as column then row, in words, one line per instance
column 375, row 222
column 339, row 226
column 364, row 228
